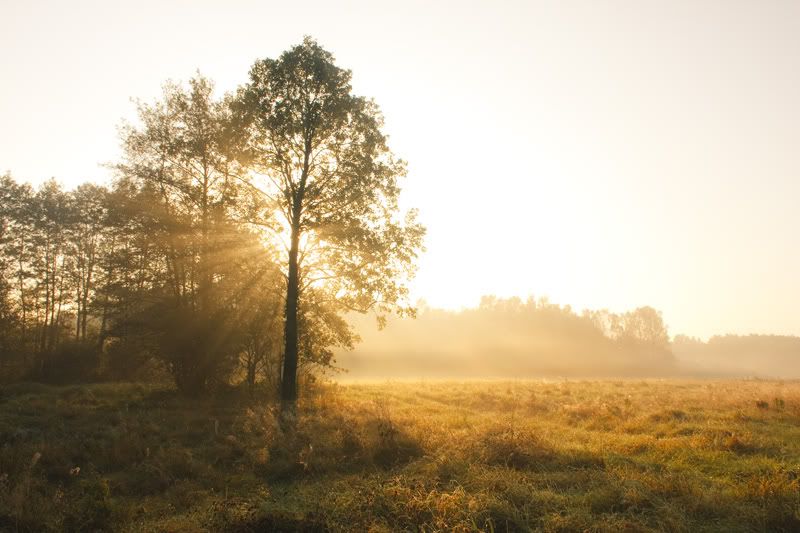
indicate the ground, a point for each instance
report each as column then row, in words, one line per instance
column 489, row 456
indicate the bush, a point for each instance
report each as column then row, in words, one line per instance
column 72, row 362
column 128, row 360
column 200, row 350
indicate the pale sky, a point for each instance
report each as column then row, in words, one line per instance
column 603, row 153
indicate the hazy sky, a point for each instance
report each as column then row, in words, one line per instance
column 606, row 154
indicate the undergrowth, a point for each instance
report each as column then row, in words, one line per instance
column 477, row 456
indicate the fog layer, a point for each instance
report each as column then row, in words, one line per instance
column 512, row 338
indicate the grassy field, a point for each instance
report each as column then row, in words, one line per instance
column 490, row 456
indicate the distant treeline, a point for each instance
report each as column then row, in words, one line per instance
column 769, row 356
column 512, row 338
column 508, row 338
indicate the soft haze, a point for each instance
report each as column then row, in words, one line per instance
column 610, row 154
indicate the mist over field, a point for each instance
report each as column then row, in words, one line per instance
column 518, row 339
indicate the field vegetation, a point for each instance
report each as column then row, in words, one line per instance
column 432, row 456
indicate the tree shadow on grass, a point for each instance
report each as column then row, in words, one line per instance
column 521, row 449
column 316, row 449
column 280, row 522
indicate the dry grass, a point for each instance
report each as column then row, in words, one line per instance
column 510, row 456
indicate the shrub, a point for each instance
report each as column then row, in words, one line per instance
column 126, row 359
column 72, row 362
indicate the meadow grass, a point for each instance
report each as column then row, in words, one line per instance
column 488, row 456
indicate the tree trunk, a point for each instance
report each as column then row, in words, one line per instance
column 78, row 317
column 87, row 287
column 23, row 307
column 206, row 276
column 101, row 337
column 43, row 339
column 289, row 377
column 290, row 353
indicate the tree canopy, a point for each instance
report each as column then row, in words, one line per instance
column 237, row 232
column 321, row 162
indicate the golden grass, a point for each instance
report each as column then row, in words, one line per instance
column 488, row 456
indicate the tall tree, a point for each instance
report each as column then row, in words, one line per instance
column 322, row 163
column 178, row 157
column 51, row 208
column 10, row 338
column 87, row 228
